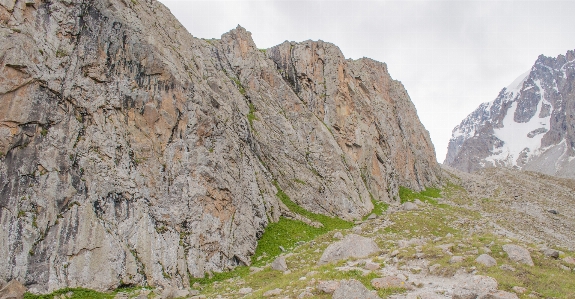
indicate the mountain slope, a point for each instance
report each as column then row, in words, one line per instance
column 530, row 125
column 133, row 153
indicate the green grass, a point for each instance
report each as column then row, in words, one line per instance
column 378, row 207
column 239, row 85
column 252, row 116
column 78, row 293
column 428, row 195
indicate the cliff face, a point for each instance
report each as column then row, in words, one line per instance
column 530, row 125
column 134, row 153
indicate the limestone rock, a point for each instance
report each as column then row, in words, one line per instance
column 476, row 287
column 131, row 151
column 328, row 286
column 486, row 260
column 387, row 282
column 13, row 290
column 279, row 264
column 518, row 254
column 353, row 289
column 351, row 246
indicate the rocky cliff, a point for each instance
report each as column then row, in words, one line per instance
column 133, row 153
column 529, row 126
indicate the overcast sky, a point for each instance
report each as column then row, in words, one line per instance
column 450, row 55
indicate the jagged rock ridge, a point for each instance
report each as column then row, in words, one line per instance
column 529, row 126
column 134, row 153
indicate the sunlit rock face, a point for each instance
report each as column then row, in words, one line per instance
column 133, row 153
column 530, row 125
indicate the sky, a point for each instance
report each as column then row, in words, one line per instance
column 450, row 55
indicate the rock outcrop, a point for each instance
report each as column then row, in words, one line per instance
column 132, row 153
column 529, row 126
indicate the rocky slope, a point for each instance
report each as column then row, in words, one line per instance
column 132, row 153
column 530, row 125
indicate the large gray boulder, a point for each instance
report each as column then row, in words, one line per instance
column 353, row 289
column 352, row 246
column 486, row 260
column 518, row 254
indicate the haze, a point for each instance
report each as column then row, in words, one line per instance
column 450, row 55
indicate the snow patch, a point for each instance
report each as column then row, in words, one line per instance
column 517, row 84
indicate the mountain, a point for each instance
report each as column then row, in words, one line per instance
column 133, row 153
column 529, row 126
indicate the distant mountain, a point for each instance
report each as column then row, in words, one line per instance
column 529, row 126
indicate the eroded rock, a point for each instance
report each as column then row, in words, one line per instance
column 351, row 246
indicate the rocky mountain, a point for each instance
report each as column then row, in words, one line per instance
column 132, row 153
column 529, row 126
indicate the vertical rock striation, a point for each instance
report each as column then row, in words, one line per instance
column 134, row 153
column 530, row 125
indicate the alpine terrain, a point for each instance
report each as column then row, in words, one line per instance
column 529, row 126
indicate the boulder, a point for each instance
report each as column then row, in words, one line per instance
column 371, row 266
column 409, row 206
column 456, row 259
column 486, row 260
column 13, row 290
column 476, row 287
column 328, row 286
column 569, row 260
column 353, row 289
column 274, row 292
column 351, row 246
column 518, row 254
column 279, row 264
column 552, row 253
column 245, row 291
column 387, row 282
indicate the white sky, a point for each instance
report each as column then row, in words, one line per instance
column 450, row 55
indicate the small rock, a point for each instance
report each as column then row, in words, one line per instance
column 356, row 230
column 554, row 212
column 552, row 253
column 518, row 254
column 13, row 290
column 519, row 290
column 274, row 292
column 180, row 293
column 371, row 217
column 352, row 289
column 564, row 268
column 409, row 206
column 569, row 260
column 486, row 260
column 371, row 266
column 417, row 202
column 434, row 268
column 338, row 235
column 394, row 253
column 196, row 285
column 351, row 246
column 282, row 249
column 498, row 295
column 507, row 268
column 449, row 235
column 255, row 269
column 456, row 259
column 401, row 276
column 387, row 282
column 279, row 264
column 245, row 291
column 328, row 286
column 305, row 294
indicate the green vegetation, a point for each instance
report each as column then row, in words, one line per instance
column 44, row 132
column 299, row 181
column 263, row 50
column 252, row 116
column 239, row 85
column 78, row 293
column 378, row 207
column 427, row 195
column 61, row 53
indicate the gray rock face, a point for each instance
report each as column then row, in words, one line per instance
column 353, row 289
column 528, row 126
column 518, row 254
column 351, row 246
column 132, row 152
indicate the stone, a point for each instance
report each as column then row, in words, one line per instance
column 305, row 294
column 433, row 268
column 13, row 290
column 507, row 268
column 371, row 217
column 519, row 290
column 486, row 260
column 552, row 253
column 476, row 287
column 518, row 254
column 328, row 286
column 338, row 235
column 255, row 269
column 371, row 266
column 351, row 246
column 409, row 206
column 280, row 264
column 456, row 259
column 245, row 291
column 498, row 295
column 569, row 260
column 388, row 282
column 353, row 289
column 274, row 292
